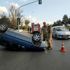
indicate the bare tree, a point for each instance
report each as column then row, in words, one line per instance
column 14, row 13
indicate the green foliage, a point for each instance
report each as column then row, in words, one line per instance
column 65, row 21
column 69, row 21
column 57, row 23
column 5, row 20
column 27, row 22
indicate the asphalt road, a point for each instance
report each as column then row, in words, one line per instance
column 42, row 60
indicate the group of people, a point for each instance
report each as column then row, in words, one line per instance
column 47, row 35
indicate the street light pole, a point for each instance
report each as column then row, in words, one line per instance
column 39, row 2
column 28, row 4
column 18, row 22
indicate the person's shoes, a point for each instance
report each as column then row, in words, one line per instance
column 49, row 48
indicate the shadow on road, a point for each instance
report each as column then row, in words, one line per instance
column 23, row 50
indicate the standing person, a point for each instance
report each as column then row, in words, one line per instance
column 45, row 31
column 47, row 35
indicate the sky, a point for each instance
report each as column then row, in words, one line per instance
column 49, row 11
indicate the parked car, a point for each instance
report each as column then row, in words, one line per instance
column 60, row 32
